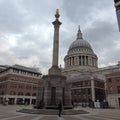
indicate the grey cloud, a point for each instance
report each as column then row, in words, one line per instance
column 11, row 18
column 82, row 10
column 101, row 32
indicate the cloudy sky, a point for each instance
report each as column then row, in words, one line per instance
column 26, row 32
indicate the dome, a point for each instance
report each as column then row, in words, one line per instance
column 80, row 56
column 80, row 43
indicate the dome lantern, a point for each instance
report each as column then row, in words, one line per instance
column 79, row 34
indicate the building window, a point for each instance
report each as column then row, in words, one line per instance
column 110, row 90
column 89, row 91
column 109, row 80
column 28, row 87
column 21, row 86
column 34, row 87
column 12, row 93
column 2, row 93
column 20, row 93
column 27, row 94
column 34, row 94
column 117, row 80
column 13, row 85
column 15, row 71
column 118, row 89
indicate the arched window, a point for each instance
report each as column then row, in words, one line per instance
column 27, row 94
column 12, row 93
column 34, row 94
column 2, row 93
column 20, row 93
column 110, row 90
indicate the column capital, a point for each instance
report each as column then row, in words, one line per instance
column 56, row 23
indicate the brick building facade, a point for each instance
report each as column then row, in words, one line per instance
column 87, row 89
column 18, row 84
column 113, row 89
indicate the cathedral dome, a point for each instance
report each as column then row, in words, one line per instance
column 80, row 55
column 80, row 43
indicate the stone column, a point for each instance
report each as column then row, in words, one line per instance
column 54, row 70
column 88, row 60
column 56, row 24
column 93, row 62
column 66, row 62
column 76, row 60
column 93, row 89
column 85, row 60
column 69, row 61
column 30, row 101
column 81, row 60
column 15, row 101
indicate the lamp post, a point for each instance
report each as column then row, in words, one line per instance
column 117, row 6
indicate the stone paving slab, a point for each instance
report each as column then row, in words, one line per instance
column 49, row 118
column 96, row 118
column 9, row 113
column 71, row 118
column 24, row 118
column 7, row 116
column 108, row 117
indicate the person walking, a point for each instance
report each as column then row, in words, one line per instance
column 60, row 109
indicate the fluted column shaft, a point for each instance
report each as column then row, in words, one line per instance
column 56, row 24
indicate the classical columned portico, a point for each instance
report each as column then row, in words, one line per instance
column 81, row 60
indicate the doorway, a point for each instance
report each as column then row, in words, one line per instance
column 119, row 102
column 53, row 96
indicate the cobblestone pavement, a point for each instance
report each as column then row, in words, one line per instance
column 9, row 113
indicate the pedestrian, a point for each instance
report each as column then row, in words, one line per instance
column 60, row 109
column 72, row 103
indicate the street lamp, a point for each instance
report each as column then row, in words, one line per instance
column 117, row 6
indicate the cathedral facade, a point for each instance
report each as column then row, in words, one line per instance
column 81, row 64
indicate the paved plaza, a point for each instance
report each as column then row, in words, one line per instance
column 9, row 113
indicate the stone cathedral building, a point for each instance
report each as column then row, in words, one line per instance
column 81, row 64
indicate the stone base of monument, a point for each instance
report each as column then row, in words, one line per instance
column 52, row 112
column 53, row 90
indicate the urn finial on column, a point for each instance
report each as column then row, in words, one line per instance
column 57, row 15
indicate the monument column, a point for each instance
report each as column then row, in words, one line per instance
column 53, row 88
column 55, row 69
